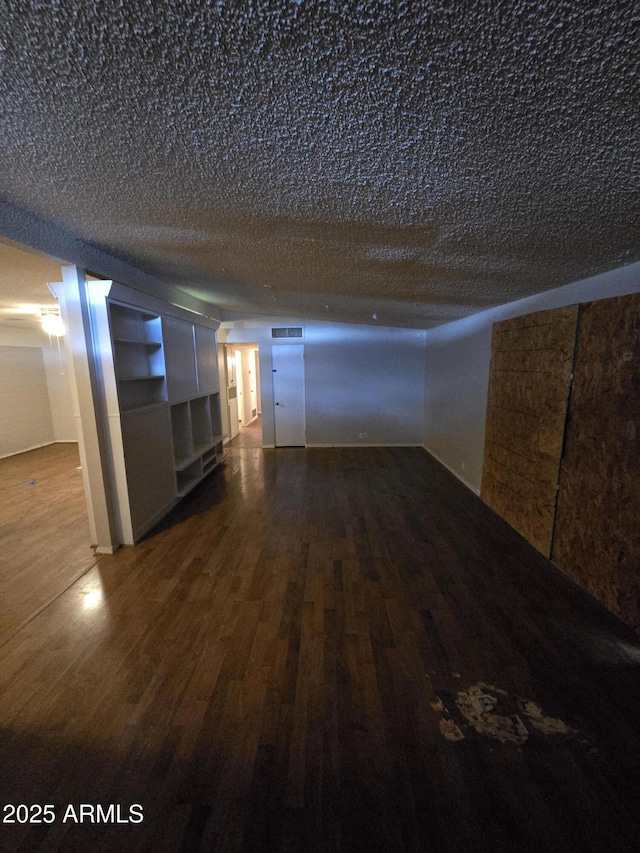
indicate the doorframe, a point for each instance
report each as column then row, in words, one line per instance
column 274, row 348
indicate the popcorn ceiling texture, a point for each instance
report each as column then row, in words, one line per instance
column 420, row 161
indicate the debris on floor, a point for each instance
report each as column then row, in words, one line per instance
column 546, row 725
column 490, row 711
column 450, row 730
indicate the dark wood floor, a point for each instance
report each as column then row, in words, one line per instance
column 44, row 531
column 249, row 436
column 282, row 665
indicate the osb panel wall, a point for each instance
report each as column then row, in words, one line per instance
column 597, row 539
column 529, row 380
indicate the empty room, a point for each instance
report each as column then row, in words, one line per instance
column 319, row 424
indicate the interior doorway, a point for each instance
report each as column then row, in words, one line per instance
column 242, row 376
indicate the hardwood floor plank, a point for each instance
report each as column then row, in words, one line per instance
column 274, row 667
column 44, row 531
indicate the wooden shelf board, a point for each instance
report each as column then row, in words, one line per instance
column 201, row 449
column 155, row 377
column 213, row 463
column 132, row 342
column 198, row 451
column 142, row 407
column 184, row 461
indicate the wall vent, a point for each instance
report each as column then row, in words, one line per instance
column 287, row 332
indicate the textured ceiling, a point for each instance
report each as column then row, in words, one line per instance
column 419, row 161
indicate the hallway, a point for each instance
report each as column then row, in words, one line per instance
column 286, row 663
column 249, row 436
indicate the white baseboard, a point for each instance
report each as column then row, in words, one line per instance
column 27, row 449
column 451, row 470
column 362, row 444
column 106, row 549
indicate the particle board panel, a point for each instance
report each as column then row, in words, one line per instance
column 529, row 381
column 596, row 536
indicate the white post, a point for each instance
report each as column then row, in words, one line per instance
column 87, row 405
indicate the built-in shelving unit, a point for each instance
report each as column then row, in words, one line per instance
column 197, row 440
column 159, row 373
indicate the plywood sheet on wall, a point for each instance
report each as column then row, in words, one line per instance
column 596, row 538
column 531, row 362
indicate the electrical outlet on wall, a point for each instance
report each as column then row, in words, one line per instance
column 362, row 435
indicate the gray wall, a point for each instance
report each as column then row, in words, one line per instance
column 35, row 393
column 357, row 379
column 25, row 415
column 457, row 361
column 59, row 389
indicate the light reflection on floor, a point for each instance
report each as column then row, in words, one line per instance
column 91, row 593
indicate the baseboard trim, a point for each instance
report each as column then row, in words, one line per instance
column 451, row 470
column 27, row 449
column 107, row 549
column 362, row 444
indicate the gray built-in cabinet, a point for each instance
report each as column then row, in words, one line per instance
column 161, row 395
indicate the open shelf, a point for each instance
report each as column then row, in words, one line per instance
column 182, row 435
column 134, row 325
column 188, row 478
column 137, row 356
column 201, row 421
column 201, row 449
column 197, row 439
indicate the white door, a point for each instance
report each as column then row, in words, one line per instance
column 288, row 394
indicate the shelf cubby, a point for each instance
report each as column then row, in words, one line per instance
column 196, row 428
column 215, row 416
column 201, row 423
column 188, row 477
column 183, row 451
column 138, row 357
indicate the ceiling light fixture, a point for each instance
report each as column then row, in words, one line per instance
column 52, row 322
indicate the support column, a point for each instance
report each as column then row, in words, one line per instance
column 87, row 406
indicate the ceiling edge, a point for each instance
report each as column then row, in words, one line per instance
column 32, row 231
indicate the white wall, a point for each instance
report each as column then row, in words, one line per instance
column 457, row 362
column 25, row 414
column 59, row 388
column 357, row 379
column 35, row 394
